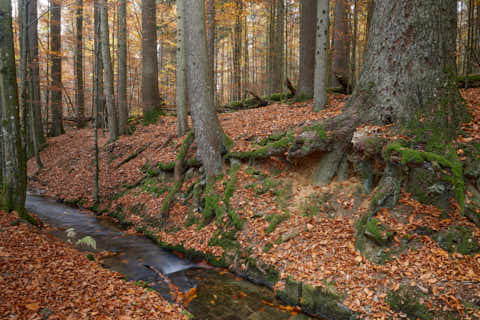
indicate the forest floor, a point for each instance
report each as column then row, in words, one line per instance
column 304, row 231
column 43, row 277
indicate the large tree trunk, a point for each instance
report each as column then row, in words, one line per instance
column 78, row 69
column 56, row 68
column 341, row 41
column 208, row 132
column 108, row 73
column 13, row 188
column 408, row 79
column 308, row 22
column 150, row 93
column 323, row 23
column 35, row 70
column 181, row 71
column 122, row 67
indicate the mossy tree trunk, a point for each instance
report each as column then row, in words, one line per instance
column 408, row 74
column 13, row 188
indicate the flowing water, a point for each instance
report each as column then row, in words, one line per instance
column 219, row 294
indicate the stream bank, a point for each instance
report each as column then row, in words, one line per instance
column 217, row 295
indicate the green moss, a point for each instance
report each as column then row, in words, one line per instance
column 225, row 239
column 263, row 152
column 302, row 98
column 151, row 117
column 318, row 129
column 377, row 231
column 90, row 257
column 236, row 105
column 275, row 220
column 406, row 300
column 151, row 185
column 414, row 156
column 458, row 239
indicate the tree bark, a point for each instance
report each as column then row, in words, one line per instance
column 35, row 70
column 308, row 22
column 181, row 73
column 211, row 42
column 150, row 93
column 56, row 68
column 122, row 67
column 208, row 132
column 340, row 49
column 323, row 24
column 98, row 98
column 13, row 188
column 108, row 73
column 237, row 52
column 78, row 69
column 278, row 43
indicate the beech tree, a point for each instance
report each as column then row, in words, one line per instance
column 56, row 86
column 208, row 132
column 181, row 73
column 321, row 57
column 150, row 91
column 78, row 69
column 13, row 170
column 308, row 22
column 122, row 67
column 108, row 72
column 341, row 44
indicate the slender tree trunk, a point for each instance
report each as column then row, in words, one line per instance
column 278, row 43
column 354, row 45
column 308, row 22
column 211, row 43
column 13, row 188
column 208, row 132
column 35, row 70
column 237, row 52
column 340, row 51
column 108, row 73
column 321, row 63
column 56, row 68
column 122, row 67
column 181, row 71
column 150, row 92
column 78, row 69
column 99, row 100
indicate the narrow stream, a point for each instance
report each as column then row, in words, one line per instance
column 220, row 294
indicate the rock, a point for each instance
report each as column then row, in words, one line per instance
column 235, row 162
column 472, row 205
column 457, row 239
column 189, row 174
column 292, row 293
column 321, row 303
column 377, row 232
column 431, row 185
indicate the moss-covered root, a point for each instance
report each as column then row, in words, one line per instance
column 180, row 160
column 179, row 169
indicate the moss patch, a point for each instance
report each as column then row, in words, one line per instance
column 418, row 157
column 407, row 300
